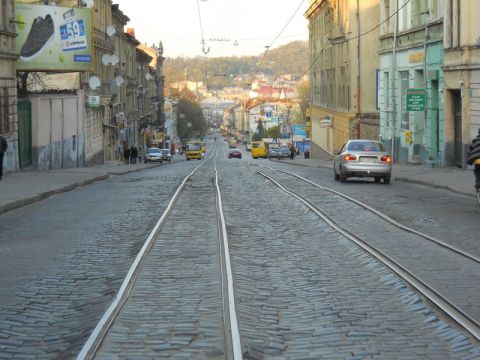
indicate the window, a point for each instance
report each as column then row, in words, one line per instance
column 404, row 15
column 3, row 15
column 404, row 85
column 386, row 95
column 421, row 12
column 4, row 112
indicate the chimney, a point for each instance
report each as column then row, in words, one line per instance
column 131, row 32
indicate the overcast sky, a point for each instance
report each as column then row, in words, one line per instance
column 251, row 24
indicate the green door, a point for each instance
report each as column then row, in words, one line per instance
column 24, row 111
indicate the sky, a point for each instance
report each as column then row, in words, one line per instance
column 229, row 27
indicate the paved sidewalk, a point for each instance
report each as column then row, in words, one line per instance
column 451, row 179
column 25, row 187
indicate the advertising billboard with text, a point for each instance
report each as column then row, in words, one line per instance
column 53, row 38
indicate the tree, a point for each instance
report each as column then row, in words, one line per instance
column 261, row 132
column 191, row 121
column 303, row 91
column 273, row 132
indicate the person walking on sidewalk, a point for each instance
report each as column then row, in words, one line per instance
column 133, row 154
column 126, row 155
column 473, row 158
column 3, row 150
column 292, row 151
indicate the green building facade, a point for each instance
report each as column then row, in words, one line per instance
column 410, row 91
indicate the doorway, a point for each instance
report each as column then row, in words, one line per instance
column 24, row 113
column 457, row 127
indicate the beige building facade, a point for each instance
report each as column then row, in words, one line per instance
column 8, row 89
column 343, row 62
column 462, row 77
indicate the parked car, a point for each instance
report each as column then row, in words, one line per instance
column 283, row 152
column 363, row 158
column 234, row 153
column 276, row 152
column 153, row 155
column 166, row 155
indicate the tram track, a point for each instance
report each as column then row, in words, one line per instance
column 231, row 338
column 454, row 311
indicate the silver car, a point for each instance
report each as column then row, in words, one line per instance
column 363, row 158
column 166, row 155
column 153, row 154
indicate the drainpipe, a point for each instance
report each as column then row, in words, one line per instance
column 358, row 70
column 425, row 83
column 394, row 66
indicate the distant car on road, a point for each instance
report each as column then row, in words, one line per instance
column 275, row 152
column 363, row 158
column 153, row 155
column 234, row 153
column 166, row 155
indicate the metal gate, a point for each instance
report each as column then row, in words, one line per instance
column 24, row 112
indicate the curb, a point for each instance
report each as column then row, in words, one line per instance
column 431, row 185
column 42, row 196
column 20, row 203
column 399, row 179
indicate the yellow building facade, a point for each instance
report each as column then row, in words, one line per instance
column 462, row 78
column 343, row 41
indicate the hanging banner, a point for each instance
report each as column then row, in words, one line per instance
column 53, row 38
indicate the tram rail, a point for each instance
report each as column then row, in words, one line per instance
column 448, row 307
column 232, row 336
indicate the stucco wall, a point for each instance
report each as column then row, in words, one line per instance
column 94, row 136
column 58, row 139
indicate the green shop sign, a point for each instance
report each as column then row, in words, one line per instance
column 415, row 99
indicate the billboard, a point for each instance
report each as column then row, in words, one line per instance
column 53, row 38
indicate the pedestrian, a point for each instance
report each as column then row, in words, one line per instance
column 126, row 155
column 473, row 158
column 3, row 150
column 292, row 151
column 133, row 154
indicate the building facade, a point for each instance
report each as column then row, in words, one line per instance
column 411, row 58
column 461, row 74
column 8, row 85
column 343, row 103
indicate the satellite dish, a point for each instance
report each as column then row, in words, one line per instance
column 111, row 30
column 114, row 59
column 106, row 59
column 94, row 82
column 87, row 3
column 119, row 80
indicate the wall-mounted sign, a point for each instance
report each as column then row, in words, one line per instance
column 415, row 99
column 416, row 57
column 53, row 38
column 408, row 137
column 326, row 122
column 93, row 101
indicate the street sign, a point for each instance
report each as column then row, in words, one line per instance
column 415, row 99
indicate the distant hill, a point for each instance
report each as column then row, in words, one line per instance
column 291, row 58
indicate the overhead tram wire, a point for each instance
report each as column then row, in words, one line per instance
column 352, row 38
column 280, row 33
column 205, row 52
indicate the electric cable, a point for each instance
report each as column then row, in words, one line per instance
column 280, row 33
column 205, row 52
column 352, row 38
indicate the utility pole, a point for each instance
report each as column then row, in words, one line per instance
column 394, row 69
